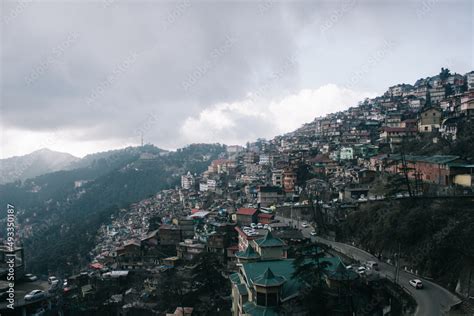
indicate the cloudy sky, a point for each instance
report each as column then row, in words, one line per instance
column 85, row 76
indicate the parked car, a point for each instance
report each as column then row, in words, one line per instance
column 259, row 226
column 417, row 284
column 313, row 233
column 54, row 286
column 34, row 295
column 4, row 295
column 30, row 277
column 304, row 225
column 51, row 279
column 361, row 270
column 372, row 265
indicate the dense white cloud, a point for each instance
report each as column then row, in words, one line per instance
column 238, row 122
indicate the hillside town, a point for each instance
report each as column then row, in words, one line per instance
column 258, row 209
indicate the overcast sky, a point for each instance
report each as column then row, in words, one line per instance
column 82, row 77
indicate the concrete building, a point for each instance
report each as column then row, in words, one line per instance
column 429, row 120
column 187, row 181
column 269, row 195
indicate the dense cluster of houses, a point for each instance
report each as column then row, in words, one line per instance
column 230, row 209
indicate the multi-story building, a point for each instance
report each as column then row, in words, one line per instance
column 346, row 153
column 264, row 159
column 269, row 195
column 277, row 178
column 189, row 249
column 187, row 181
column 470, row 80
column 289, row 180
column 265, row 282
column 429, row 120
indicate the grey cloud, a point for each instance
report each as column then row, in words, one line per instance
column 170, row 40
column 84, row 85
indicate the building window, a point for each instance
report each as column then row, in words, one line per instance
column 272, row 299
column 261, row 299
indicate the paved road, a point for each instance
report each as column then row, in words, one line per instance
column 432, row 300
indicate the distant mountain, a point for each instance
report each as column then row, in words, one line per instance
column 34, row 164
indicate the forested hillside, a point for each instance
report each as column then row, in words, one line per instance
column 432, row 235
column 59, row 219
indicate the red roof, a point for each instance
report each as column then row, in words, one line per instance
column 96, row 266
column 194, row 210
column 265, row 215
column 246, row 211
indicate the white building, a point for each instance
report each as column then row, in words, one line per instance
column 203, row 187
column 346, row 153
column 470, row 80
column 211, row 185
column 277, row 178
column 264, row 159
column 187, row 181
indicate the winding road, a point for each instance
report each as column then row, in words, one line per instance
column 432, row 300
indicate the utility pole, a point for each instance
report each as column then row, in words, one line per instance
column 397, row 265
column 405, row 173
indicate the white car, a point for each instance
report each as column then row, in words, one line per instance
column 30, row 277
column 34, row 295
column 416, row 283
column 313, row 233
column 361, row 270
column 304, row 225
column 51, row 279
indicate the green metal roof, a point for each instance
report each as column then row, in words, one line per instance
column 270, row 241
column 234, row 278
column 268, row 278
column 283, row 268
column 248, row 253
column 242, row 289
column 460, row 165
column 437, row 159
